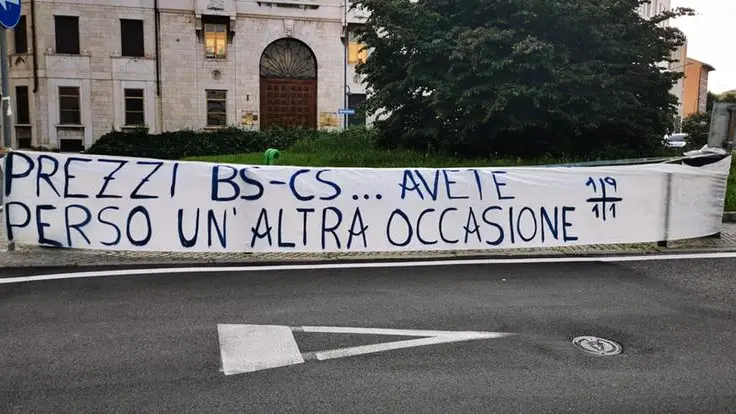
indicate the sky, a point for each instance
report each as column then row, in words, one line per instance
column 710, row 36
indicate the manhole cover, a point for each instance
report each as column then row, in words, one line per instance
column 598, row 346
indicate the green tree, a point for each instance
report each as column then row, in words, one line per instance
column 730, row 98
column 519, row 77
column 697, row 126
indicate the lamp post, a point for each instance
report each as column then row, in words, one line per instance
column 345, row 64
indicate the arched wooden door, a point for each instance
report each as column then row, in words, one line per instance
column 288, row 71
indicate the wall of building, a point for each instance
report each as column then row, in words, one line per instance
column 647, row 11
column 703, row 91
column 102, row 73
column 678, row 90
column 655, row 7
column 692, row 87
column 695, row 87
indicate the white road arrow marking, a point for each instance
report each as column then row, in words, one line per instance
column 250, row 348
column 5, row 6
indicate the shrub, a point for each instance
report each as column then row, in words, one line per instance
column 350, row 140
column 279, row 137
column 189, row 143
column 186, row 143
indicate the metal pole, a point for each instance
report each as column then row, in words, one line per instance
column 7, row 131
column 4, row 78
column 667, row 210
column 345, row 66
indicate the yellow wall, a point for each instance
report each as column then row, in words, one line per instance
column 695, row 86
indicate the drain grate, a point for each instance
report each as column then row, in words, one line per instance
column 597, row 346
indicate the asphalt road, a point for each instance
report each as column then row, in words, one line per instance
column 150, row 343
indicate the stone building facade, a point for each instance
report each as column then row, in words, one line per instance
column 80, row 69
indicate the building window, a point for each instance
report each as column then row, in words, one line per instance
column 215, row 40
column 70, row 112
column 355, row 101
column 216, row 108
column 134, row 107
column 67, row 34
column 131, row 38
column 21, row 36
column 22, row 106
column 357, row 53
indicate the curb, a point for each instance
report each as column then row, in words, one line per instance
column 729, row 216
column 80, row 267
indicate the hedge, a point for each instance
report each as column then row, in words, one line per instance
column 176, row 145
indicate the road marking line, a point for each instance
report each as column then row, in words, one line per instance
column 366, row 265
column 409, row 343
column 387, row 332
column 250, row 348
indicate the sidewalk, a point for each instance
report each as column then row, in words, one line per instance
column 28, row 256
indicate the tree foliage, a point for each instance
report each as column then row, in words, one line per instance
column 519, row 77
column 697, row 126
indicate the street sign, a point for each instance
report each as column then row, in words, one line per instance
column 250, row 348
column 345, row 111
column 9, row 13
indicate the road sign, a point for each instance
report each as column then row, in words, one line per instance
column 344, row 111
column 9, row 13
column 250, row 348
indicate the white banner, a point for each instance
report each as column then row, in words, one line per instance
column 102, row 202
